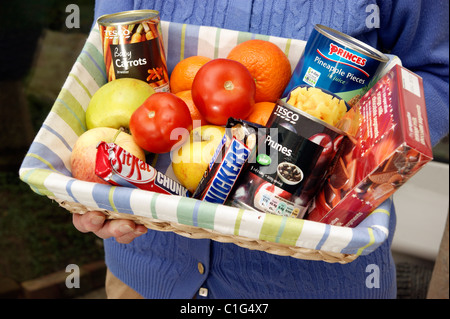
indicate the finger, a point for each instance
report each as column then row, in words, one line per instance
column 76, row 220
column 130, row 232
column 89, row 222
column 123, row 230
column 129, row 237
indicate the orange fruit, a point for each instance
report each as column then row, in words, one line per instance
column 184, row 72
column 268, row 65
column 186, row 96
column 261, row 112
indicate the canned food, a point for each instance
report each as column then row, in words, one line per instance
column 133, row 47
column 319, row 103
column 290, row 165
column 338, row 63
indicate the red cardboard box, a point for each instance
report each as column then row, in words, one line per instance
column 391, row 143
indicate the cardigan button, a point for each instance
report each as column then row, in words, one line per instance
column 203, row 292
column 201, row 268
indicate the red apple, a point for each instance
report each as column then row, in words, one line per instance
column 82, row 159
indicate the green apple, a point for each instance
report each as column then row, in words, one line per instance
column 114, row 102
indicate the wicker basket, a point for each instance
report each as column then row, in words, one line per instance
column 46, row 168
column 201, row 233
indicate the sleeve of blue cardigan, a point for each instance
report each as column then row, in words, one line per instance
column 418, row 32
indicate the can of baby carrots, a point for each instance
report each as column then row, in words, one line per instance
column 133, row 47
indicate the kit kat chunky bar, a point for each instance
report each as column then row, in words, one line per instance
column 121, row 168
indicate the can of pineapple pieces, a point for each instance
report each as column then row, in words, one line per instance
column 338, row 63
column 133, row 47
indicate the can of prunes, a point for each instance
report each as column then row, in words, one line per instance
column 290, row 165
column 133, row 47
column 337, row 63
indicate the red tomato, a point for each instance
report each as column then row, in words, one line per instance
column 162, row 121
column 223, row 88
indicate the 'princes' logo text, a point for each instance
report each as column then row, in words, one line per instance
column 349, row 56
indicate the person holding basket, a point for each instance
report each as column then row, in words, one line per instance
column 144, row 263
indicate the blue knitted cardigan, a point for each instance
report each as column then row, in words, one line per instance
column 166, row 265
